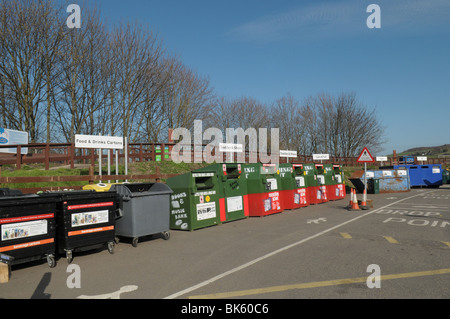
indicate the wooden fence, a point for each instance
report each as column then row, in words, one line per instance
column 67, row 154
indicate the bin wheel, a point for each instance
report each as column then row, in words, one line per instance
column 51, row 261
column 69, row 256
column 117, row 240
column 166, row 235
column 134, row 242
column 111, row 245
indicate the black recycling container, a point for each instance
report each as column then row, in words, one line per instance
column 85, row 220
column 28, row 227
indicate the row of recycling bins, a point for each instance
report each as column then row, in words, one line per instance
column 225, row 192
column 43, row 226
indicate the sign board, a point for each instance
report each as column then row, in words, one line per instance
column 98, row 141
column 421, row 158
column 321, row 156
column 382, row 158
column 288, row 153
column 13, row 137
column 230, row 147
column 365, row 157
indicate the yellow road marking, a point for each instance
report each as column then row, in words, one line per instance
column 317, row 284
column 346, row 235
column 446, row 243
column 390, row 239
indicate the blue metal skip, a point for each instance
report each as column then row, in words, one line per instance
column 391, row 180
column 423, row 175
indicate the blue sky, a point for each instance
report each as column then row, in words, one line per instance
column 266, row 49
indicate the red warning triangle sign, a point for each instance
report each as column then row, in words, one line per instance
column 365, row 157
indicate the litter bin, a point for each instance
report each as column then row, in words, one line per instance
column 28, row 228
column 293, row 186
column 194, row 203
column 373, row 186
column 85, row 220
column 145, row 210
column 263, row 189
column 322, row 193
column 232, row 190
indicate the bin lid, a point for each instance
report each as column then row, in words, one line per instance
column 141, row 189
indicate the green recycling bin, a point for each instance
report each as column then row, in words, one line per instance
column 323, row 179
column 232, row 190
column 194, row 203
column 339, row 179
column 373, row 186
column 293, row 186
column 313, row 193
column 445, row 176
column 263, row 189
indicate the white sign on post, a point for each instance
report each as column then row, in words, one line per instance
column 98, row 141
column 382, row 158
column 230, row 147
column 288, row 153
column 13, row 137
column 421, row 158
column 321, row 157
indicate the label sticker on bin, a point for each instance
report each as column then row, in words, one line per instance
column 206, row 211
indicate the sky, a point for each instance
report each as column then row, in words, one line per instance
column 266, row 49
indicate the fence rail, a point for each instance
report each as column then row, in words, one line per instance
column 89, row 179
column 67, row 154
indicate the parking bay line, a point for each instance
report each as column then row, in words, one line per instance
column 250, row 263
column 327, row 283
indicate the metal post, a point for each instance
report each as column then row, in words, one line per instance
column 100, row 164
column 117, row 164
column 109, row 164
column 126, row 156
column 365, row 177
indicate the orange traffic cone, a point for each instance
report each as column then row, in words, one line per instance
column 364, row 201
column 351, row 198
column 354, row 205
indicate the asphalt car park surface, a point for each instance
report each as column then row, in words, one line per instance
column 400, row 248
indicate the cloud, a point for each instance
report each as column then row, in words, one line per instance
column 343, row 19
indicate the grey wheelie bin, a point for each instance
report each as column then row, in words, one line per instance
column 145, row 210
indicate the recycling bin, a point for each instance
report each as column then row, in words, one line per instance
column 144, row 210
column 445, row 176
column 373, row 186
column 232, row 190
column 28, row 228
column 263, row 189
column 194, row 203
column 99, row 187
column 293, row 186
column 422, row 175
column 322, row 193
column 313, row 193
column 340, row 182
column 85, row 220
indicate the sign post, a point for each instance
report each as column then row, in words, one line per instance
column 102, row 142
column 321, row 157
column 365, row 157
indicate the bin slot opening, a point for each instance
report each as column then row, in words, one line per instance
column 232, row 172
column 204, row 183
column 298, row 171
